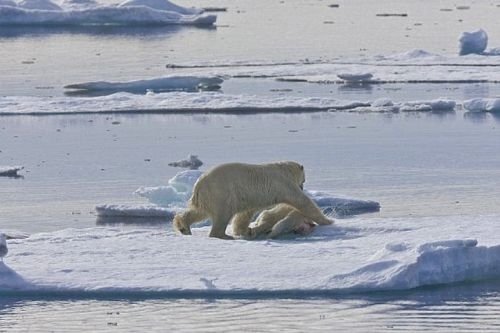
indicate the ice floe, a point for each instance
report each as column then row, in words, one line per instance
column 87, row 12
column 354, row 255
column 203, row 102
column 10, row 171
column 483, row 104
column 362, row 77
column 172, row 83
column 133, row 211
column 473, row 42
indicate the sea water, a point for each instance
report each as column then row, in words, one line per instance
column 415, row 164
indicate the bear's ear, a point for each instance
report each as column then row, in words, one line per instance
column 301, row 167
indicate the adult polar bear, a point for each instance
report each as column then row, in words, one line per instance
column 236, row 191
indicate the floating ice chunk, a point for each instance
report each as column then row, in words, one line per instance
column 192, row 162
column 10, row 171
column 361, row 77
column 176, row 193
column 164, row 5
column 493, row 52
column 39, row 4
column 172, row 83
column 342, row 206
column 473, row 42
column 482, row 104
column 134, row 211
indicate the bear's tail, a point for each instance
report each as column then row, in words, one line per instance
column 182, row 221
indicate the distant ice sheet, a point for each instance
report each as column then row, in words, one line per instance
column 133, row 12
column 353, row 255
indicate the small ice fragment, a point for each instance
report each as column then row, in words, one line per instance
column 473, row 42
column 10, row 171
column 192, row 162
column 355, row 77
column 3, row 246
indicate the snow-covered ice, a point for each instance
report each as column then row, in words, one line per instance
column 359, row 254
column 473, row 42
column 200, row 102
column 10, row 171
column 171, row 83
column 133, row 12
column 176, row 193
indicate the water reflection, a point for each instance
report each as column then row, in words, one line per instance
column 148, row 31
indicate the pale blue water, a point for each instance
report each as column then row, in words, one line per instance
column 414, row 164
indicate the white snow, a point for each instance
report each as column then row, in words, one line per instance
column 482, row 104
column 473, row 42
column 10, row 171
column 171, row 83
column 358, row 254
column 85, row 12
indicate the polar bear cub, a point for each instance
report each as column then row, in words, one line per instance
column 236, row 191
column 280, row 220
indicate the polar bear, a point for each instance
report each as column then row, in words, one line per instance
column 236, row 191
column 280, row 220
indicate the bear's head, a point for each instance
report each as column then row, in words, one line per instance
column 294, row 171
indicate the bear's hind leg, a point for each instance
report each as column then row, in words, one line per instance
column 183, row 221
column 308, row 208
column 219, row 224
